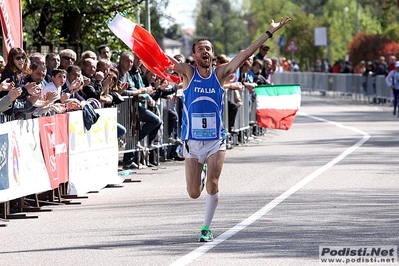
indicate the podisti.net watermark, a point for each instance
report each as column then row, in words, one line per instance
column 358, row 254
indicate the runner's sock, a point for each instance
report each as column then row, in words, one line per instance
column 210, row 207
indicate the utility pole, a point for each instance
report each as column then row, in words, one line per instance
column 357, row 16
column 148, row 16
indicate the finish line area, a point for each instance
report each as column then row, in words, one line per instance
column 329, row 180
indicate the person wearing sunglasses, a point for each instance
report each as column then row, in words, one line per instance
column 16, row 69
column 262, row 53
column 67, row 57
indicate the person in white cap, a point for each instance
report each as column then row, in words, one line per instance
column 392, row 80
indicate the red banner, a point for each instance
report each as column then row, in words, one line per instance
column 11, row 23
column 54, row 141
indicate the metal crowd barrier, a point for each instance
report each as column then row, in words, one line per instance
column 245, row 122
column 360, row 88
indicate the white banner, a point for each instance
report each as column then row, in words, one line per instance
column 24, row 165
column 93, row 154
column 320, row 36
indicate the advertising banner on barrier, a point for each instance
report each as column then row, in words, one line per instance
column 93, row 154
column 24, row 165
column 4, row 158
column 54, row 143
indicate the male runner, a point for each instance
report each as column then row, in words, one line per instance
column 202, row 124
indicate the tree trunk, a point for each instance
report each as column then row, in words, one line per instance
column 39, row 34
column 71, row 23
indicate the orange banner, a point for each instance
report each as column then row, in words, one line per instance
column 11, row 23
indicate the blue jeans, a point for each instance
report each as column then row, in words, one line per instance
column 395, row 99
column 121, row 130
column 151, row 124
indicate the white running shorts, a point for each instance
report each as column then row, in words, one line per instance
column 201, row 150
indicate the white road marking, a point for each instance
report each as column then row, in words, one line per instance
column 187, row 259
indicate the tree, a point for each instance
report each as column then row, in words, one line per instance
column 315, row 7
column 370, row 47
column 260, row 12
column 223, row 25
column 80, row 22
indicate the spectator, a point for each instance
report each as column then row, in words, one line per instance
column 392, row 62
column 367, row 75
column 317, row 66
column 347, row 68
column 276, row 65
column 37, row 74
column 382, row 67
column 86, row 54
column 67, row 57
column 324, row 66
column 164, row 90
column 37, row 58
column 285, row 64
column 295, row 66
column 52, row 62
column 257, row 67
column 267, row 70
column 392, row 81
column 94, row 88
column 243, row 76
column 150, row 120
column 125, row 64
column 262, row 53
column 104, row 51
column 2, row 64
column 74, row 83
column 59, row 77
column 336, row 68
column 12, row 94
column 16, row 70
column 360, row 68
column 236, row 87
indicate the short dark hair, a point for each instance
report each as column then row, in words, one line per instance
column 264, row 46
column 72, row 67
column 102, row 46
column 200, row 40
column 51, row 54
column 57, row 71
column 36, row 65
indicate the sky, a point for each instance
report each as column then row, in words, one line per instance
column 182, row 12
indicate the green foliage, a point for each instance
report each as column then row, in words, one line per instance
column 80, row 22
column 392, row 32
column 223, row 25
column 341, row 18
column 314, row 7
column 228, row 24
column 262, row 12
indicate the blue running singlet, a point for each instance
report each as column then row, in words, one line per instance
column 203, row 109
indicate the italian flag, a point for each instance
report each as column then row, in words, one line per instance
column 276, row 105
column 144, row 45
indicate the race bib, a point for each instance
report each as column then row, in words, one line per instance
column 203, row 126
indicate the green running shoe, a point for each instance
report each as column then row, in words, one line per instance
column 206, row 234
column 203, row 176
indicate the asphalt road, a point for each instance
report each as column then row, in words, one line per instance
column 331, row 180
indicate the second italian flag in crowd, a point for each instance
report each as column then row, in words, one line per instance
column 277, row 105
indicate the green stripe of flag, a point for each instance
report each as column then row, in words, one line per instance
column 276, row 90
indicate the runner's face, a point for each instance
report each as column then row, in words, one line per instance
column 203, row 54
